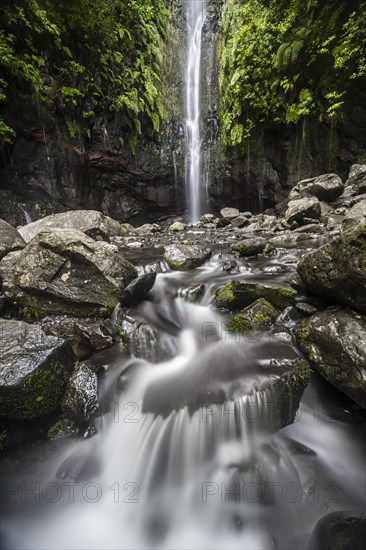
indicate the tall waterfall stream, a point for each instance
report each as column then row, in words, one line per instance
column 166, row 469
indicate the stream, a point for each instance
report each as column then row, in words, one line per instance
column 174, row 463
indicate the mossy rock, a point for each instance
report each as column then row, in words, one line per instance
column 258, row 316
column 238, row 294
column 183, row 257
column 62, row 429
column 251, row 247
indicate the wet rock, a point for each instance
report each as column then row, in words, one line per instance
column 256, row 317
column 10, row 239
column 228, row 214
column 192, row 294
column 327, row 187
column 357, row 179
column 177, row 226
column 94, row 224
column 182, row 257
column 65, row 271
column 335, row 343
column 337, row 270
column 305, row 308
column 34, row 369
column 80, row 402
column 339, row 531
column 250, row 247
column 95, row 336
column 238, row 294
column 302, row 211
column 229, row 265
column 136, row 291
column 355, row 215
column 62, row 429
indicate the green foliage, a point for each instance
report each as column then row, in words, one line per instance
column 282, row 60
column 85, row 58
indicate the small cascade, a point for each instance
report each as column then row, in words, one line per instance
column 196, row 11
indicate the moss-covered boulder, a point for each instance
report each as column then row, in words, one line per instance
column 183, row 257
column 94, row 224
column 34, row 369
column 256, row 317
column 10, row 239
column 63, row 271
column 334, row 341
column 250, row 247
column 337, row 270
column 238, row 294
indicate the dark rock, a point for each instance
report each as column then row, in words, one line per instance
column 34, row 369
column 80, row 402
column 327, row 187
column 10, row 239
column 240, row 221
column 238, row 294
column 229, row 265
column 305, row 308
column 94, row 335
column 250, row 247
column 183, row 257
column 355, row 215
column 92, row 223
column 62, row 429
column 337, row 270
column 339, row 531
column 302, row 211
column 335, row 343
column 65, row 271
column 136, row 291
column 256, row 317
column 357, row 179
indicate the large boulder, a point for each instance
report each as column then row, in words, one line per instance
column 343, row 530
column 355, row 215
column 229, row 214
column 302, row 211
column 9, row 239
column 238, row 294
column 94, row 224
column 337, row 270
column 327, row 187
column 34, row 369
column 182, row 257
column 256, row 317
column 335, row 343
column 80, row 402
column 63, row 271
column 357, row 179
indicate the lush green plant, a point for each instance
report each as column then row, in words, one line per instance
column 84, row 58
column 282, row 60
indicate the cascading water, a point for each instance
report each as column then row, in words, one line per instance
column 196, row 11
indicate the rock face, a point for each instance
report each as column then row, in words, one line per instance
column 303, row 211
column 337, row 270
column 65, row 271
column 34, row 369
column 250, row 247
column 357, row 179
column 256, row 317
column 80, row 403
column 339, row 531
column 335, row 343
column 327, row 187
column 10, row 239
column 237, row 294
column 183, row 257
column 136, row 291
column 92, row 223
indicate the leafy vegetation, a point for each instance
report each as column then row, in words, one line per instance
column 284, row 60
column 84, row 58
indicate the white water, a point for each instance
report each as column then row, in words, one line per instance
column 196, row 11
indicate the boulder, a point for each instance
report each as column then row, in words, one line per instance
column 80, row 402
column 238, row 294
column 240, row 221
column 337, row 270
column 335, row 343
column 183, row 257
column 256, row 317
column 177, row 226
column 339, row 531
column 250, row 247
column 10, row 239
column 357, row 179
column 355, row 215
column 34, row 369
column 229, row 214
column 136, row 291
column 303, row 211
column 327, row 187
column 63, row 271
column 207, row 218
column 62, row 429
column 147, row 229
column 94, row 224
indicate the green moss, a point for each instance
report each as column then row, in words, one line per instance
column 256, row 317
column 239, row 324
column 62, row 428
column 121, row 333
column 224, row 296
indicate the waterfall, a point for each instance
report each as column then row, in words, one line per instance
column 196, row 11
